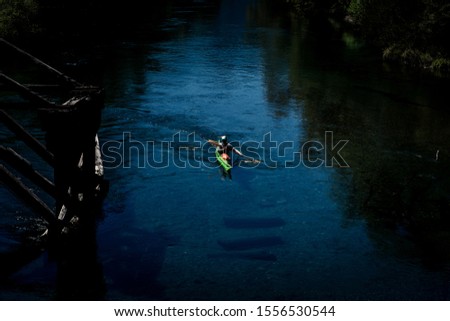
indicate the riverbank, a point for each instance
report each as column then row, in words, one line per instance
column 412, row 34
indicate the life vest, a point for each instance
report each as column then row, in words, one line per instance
column 223, row 149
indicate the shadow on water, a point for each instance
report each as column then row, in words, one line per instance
column 133, row 262
column 67, row 269
column 79, row 274
column 253, row 222
column 249, row 243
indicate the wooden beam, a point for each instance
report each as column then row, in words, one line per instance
column 27, row 93
column 23, row 191
column 24, row 166
column 46, row 89
column 99, row 170
column 32, row 142
column 58, row 73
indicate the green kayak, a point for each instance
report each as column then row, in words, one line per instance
column 223, row 162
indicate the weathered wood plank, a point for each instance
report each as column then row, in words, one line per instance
column 59, row 74
column 32, row 142
column 26, row 168
column 99, row 170
column 23, row 191
column 27, row 93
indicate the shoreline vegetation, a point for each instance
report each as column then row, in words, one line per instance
column 412, row 33
column 32, row 21
column 408, row 32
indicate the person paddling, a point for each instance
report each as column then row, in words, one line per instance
column 224, row 148
column 223, row 151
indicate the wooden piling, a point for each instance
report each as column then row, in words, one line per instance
column 72, row 144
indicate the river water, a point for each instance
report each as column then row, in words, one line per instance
column 360, row 215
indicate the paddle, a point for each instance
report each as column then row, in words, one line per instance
column 254, row 161
column 213, row 142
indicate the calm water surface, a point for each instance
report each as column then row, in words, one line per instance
column 272, row 232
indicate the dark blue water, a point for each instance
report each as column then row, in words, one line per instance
column 282, row 230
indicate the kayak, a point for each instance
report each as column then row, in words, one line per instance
column 223, row 162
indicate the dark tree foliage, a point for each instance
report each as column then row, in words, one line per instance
column 97, row 15
column 414, row 32
column 75, row 18
column 317, row 8
column 18, row 17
